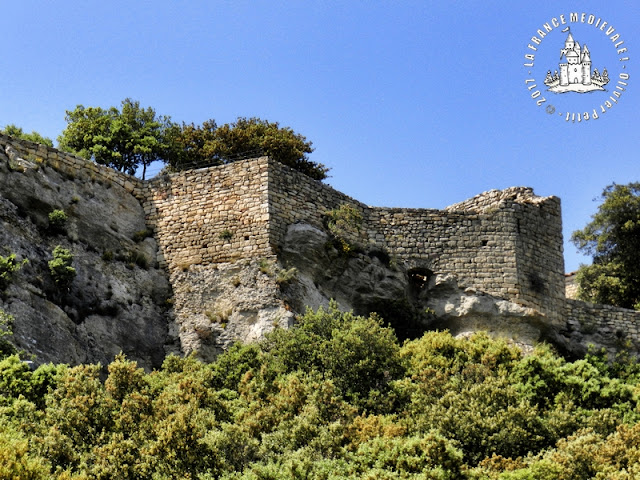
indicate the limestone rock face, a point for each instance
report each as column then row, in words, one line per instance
column 217, row 305
column 463, row 312
column 117, row 300
column 357, row 282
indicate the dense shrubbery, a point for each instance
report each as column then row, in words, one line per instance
column 335, row 398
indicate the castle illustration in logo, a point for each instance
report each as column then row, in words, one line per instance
column 575, row 73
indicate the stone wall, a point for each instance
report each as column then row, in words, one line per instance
column 297, row 198
column 603, row 325
column 539, row 255
column 478, row 249
column 570, row 285
column 488, row 202
column 507, row 243
column 534, row 224
column 210, row 215
column 38, row 154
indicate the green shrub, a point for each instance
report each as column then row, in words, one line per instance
column 219, row 316
column 345, row 224
column 60, row 267
column 285, row 277
column 430, row 453
column 6, row 322
column 265, row 266
column 18, row 380
column 335, row 397
column 8, row 266
column 359, row 354
column 226, row 235
column 15, row 131
column 16, row 460
column 58, row 220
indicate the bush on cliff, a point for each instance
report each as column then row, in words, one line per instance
column 34, row 136
column 60, row 267
column 8, row 267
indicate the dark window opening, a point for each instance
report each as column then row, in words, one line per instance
column 419, row 278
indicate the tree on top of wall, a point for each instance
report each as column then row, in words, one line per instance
column 211, row 144
column 612, row 238
column 123, row 139
column 132, row 137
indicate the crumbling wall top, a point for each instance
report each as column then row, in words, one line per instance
column 492, row 199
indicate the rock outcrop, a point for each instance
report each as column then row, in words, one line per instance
column 217, row 305
column 118, row 298
column 193, row 261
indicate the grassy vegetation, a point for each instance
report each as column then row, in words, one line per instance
column 337, row 397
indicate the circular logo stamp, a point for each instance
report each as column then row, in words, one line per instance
column 576, row 67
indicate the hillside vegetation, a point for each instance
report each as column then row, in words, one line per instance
column 336, row 397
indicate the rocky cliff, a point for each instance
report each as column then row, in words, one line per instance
column 118, row 298
column 194, row 261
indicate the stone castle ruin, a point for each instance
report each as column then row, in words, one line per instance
column 245, row 246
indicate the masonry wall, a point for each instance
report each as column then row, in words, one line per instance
column 479, row 240
column 478, row 249
column 501, row 242
column 539, row 256
column 534, row 225
column 40, row 155
column 294, row 197
column 210, row 215
column 609, row 325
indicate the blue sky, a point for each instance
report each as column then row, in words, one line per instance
column 410, row 103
